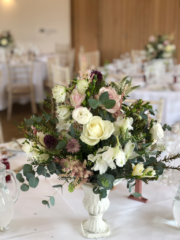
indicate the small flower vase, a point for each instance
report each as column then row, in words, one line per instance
column 95, row 226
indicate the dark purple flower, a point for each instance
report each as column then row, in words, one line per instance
column 98, row 74
column 50, row 141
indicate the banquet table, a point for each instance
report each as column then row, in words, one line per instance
column 39, row 75
column 127, row 219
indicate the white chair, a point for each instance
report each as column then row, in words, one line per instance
column 48, row 83
column 60, row 75
column 138, row 56
column 20, row 84
column 59, row 48
column 3, row 58
column 89, row 60
column 159, row 104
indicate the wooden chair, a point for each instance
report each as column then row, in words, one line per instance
column 60, row 75
column 89, row 60
column 48, row 83
column 20, row 84
column 1, row 133
column 138, row 186
column 138, row 56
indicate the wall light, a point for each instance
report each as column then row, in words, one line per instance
column 8, row 2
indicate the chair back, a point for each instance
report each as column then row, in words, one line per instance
column 60, row 48
column 89, row 60
column 138, row 56
column 52, row 61
column 1, row 133
column 60, row 75
column 3, row 58
column 20, row 75
column 159, row 104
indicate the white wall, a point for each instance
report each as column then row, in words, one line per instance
column 24, row 18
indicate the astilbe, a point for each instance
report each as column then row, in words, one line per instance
column 73, row 168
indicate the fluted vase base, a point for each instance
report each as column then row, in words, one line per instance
column 88, row 234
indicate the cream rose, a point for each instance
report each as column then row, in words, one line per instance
column 122, row 124
column 138, row 169
column 82, row 85
column 27, row 147
column 82, row 115
column 76, row 98
column 59, row 93
column 157, row 131
column 112, row 95
column 95, row 130
column 64, row 112
column 4, row 42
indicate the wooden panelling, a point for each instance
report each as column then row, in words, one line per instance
column 117, row 26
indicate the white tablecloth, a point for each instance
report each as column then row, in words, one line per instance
column 39, row 75
column 127, row 219
column 171, row 113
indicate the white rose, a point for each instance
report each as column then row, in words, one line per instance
column 41, row 136
column 157, row 131
column 82, row 115
column 64, row 112
column 82, row 85
column 63, row 125
column 138, row 169
column 129, row 150
column 4, row 42
column 149, row 172
column 59, row 93
column 122, row 124
column 95, row 130
column 160, row 46
column 169, row 48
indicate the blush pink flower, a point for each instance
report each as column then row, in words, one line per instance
column 166, row 42
column 112, row 95
column 34, row 130
column 73, row 146
column 76, row 98
column 152, row 38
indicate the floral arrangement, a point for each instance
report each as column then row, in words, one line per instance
column 6, row 39
column 93, row 136
column 160, row 47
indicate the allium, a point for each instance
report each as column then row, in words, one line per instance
column 73, row 146
column 98, row 74
column 50, row 141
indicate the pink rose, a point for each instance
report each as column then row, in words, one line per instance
column 166, row 42
column 112, row 95
column 76, row 98
column 152, row 39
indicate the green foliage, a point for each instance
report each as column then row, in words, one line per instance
column 46, row 203
column 71, row 187
column 137, row 195
column 105, row 180
column 33, row 182
column 24, row 187
column 104, row 99
column 72, row 132
column 19, row 177
column 61, row 145
column 94, row 103
column 166, row 127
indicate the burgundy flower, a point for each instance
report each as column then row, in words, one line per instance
column 98, row 74
column 73, row 146
column 50, row 141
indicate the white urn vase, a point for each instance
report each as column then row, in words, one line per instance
column 95, row 226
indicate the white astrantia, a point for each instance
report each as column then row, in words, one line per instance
column 122, row 124
column 64, row 111
column 82, row 115
column 103, row 159
column 59, row 93
column 129, row 150
column 149, row 172
column 157, row 131
column 82, row 86
column 41, row 136
column 95, row 130
column 137, row 169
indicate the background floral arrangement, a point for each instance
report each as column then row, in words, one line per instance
column 6, row 39
column 159, row 47
column 93, row 136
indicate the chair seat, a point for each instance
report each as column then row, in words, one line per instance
column 19, row 89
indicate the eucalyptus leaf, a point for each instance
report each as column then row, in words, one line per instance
column 137, row 195
column 33, row 182
column 94, row 103
column 61, row 145
column 46, row 203
column 52, row 201
column 24, row 187
column 19, row 177
column 109, row 103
